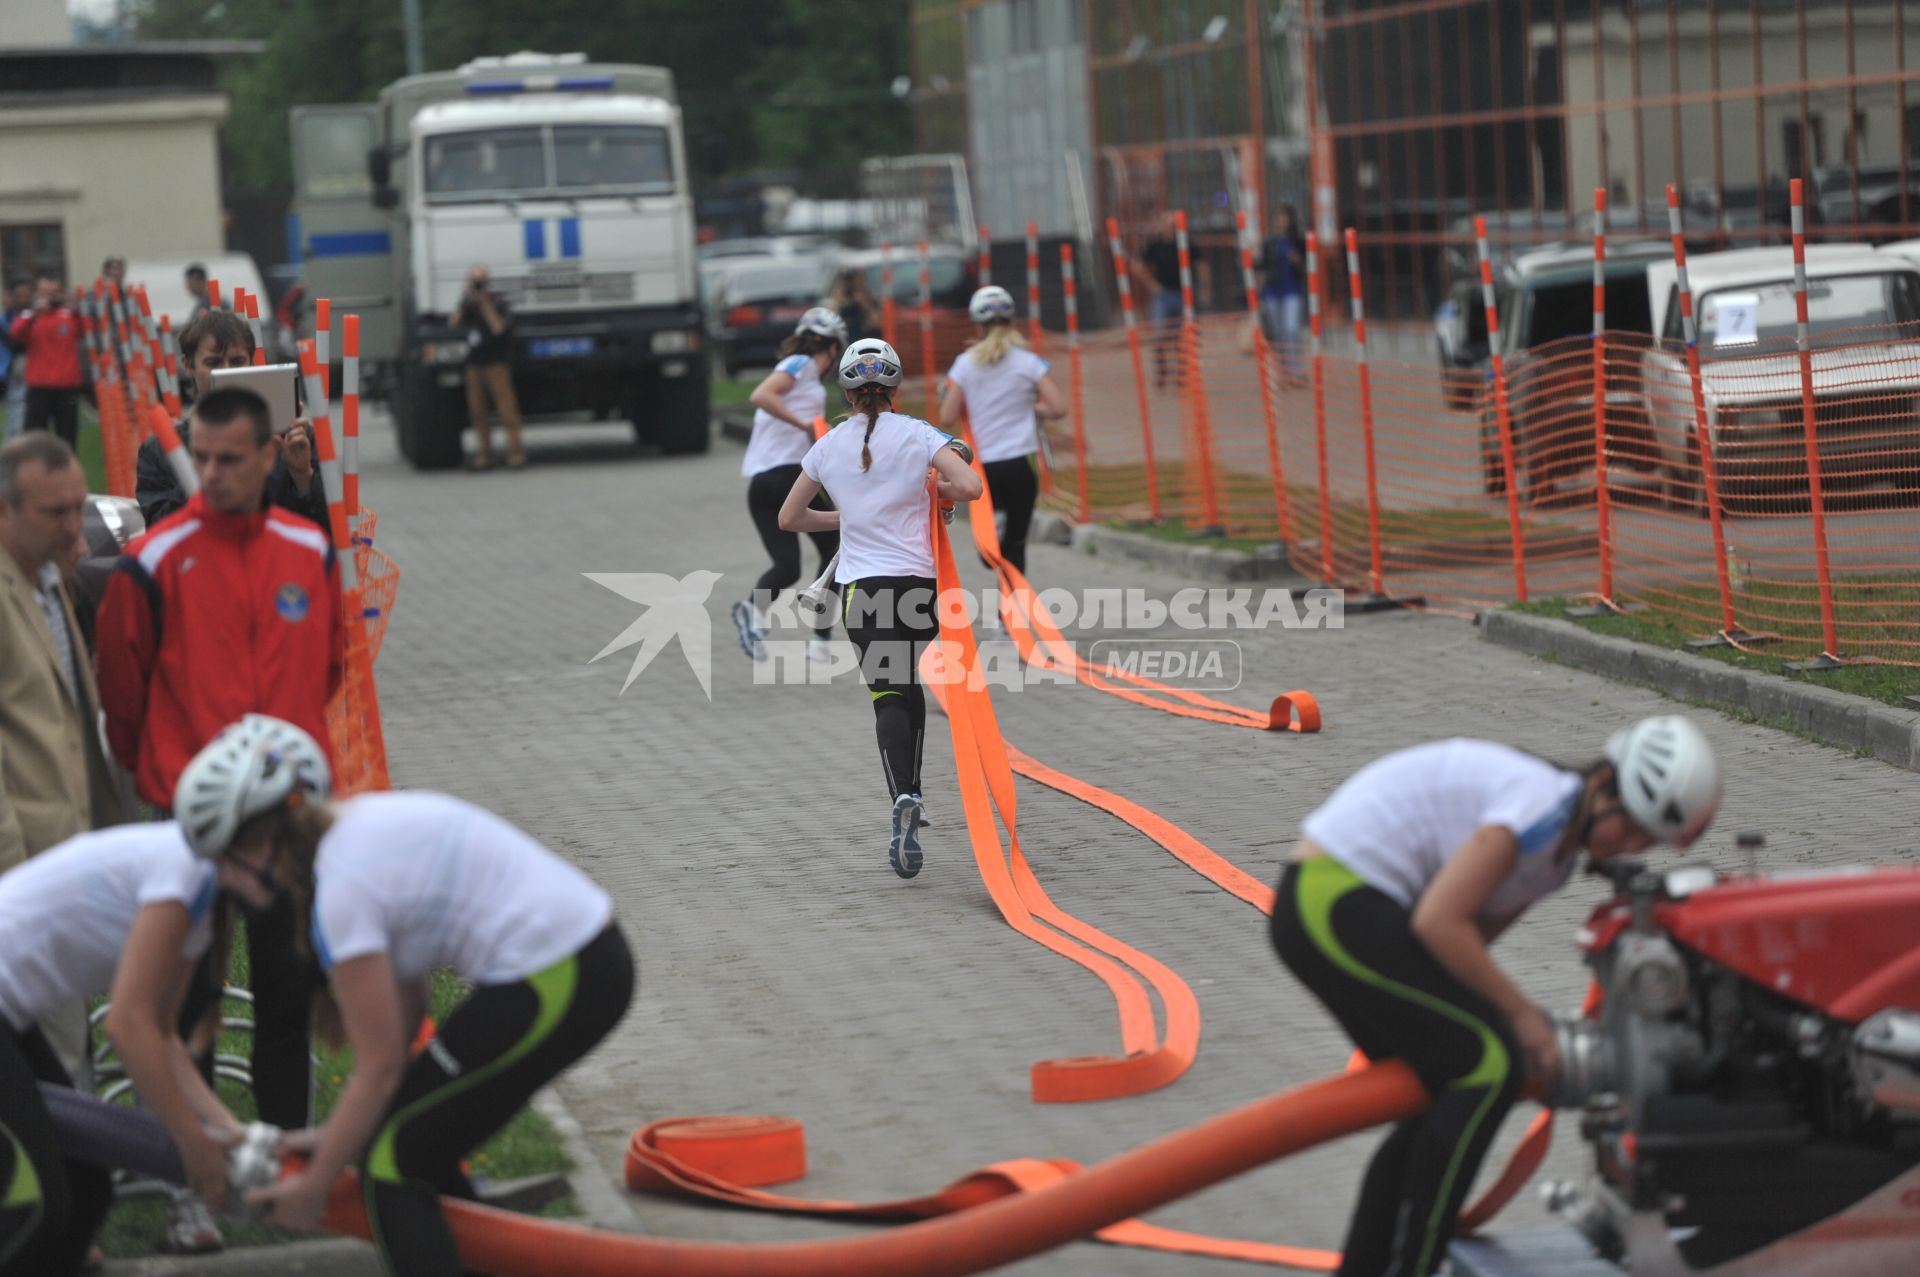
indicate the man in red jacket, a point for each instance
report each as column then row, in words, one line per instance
column 220, row 610
column 49, row 335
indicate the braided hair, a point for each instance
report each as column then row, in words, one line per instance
column 872, row 399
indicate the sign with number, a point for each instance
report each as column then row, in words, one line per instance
column 1736, row 319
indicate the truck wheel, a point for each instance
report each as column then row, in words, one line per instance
column 675, row 412
column 429, row 420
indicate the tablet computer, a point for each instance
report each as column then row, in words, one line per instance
column 272, row 382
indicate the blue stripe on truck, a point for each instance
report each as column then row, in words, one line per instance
column 535, row 233
column 569, row 237
column 350, row 244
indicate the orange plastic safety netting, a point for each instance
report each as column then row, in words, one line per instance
column 1175, row 423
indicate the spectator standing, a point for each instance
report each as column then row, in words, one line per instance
column 54, row 779
column 488, row 324
column 114, row 271
column 1156, row 270
column 50, row 334
column 853, row 302
column 13, row 363
column 223, row 609
column 213, row 340
column 197, row 288
column 1283, row 295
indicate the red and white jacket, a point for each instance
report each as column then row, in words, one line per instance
column 209, row 617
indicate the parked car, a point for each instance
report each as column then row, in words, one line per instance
column 951, row 273
column 1547, row 298
column 721, row 260
column 757, row 308
column 165, row 279
column 1863, row 319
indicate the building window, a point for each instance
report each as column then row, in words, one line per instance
column 33, row 248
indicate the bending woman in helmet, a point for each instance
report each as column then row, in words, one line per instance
column 131, row 910
column 1005, row 392
column 401, row 884
column 1400, row 883
column 874, row 466
column 785, row 405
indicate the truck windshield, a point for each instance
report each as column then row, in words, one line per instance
column 485, row 162
column 1840, row 311
column 565, row 158
column 623, row 156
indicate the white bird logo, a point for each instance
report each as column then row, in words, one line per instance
column 674, row 609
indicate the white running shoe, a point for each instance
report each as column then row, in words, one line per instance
column 903, row 853
column 753, row 635
column 190, row 1229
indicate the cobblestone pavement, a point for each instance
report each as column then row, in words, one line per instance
column 785, row 969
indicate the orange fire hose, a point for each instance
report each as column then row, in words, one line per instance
column 994, row 1217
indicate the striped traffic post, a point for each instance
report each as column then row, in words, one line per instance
column 985, row 257
column 1283, row 519
column 1195, row 386
column 1033, row 285
column 350, row 418
column 1502, row 411
column 1123, row 279
column 1829, row 657
column 1071, row 293
column 1317, row 355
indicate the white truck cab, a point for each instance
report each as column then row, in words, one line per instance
column 567, row 181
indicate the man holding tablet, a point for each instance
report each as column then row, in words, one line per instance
column 214, row 341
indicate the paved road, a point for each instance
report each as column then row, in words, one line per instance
column 783, row 967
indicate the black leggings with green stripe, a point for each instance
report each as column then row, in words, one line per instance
column 50, row 1207
column 486, row 1061
column 1354, row 947
column 891, row 619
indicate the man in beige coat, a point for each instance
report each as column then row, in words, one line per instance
column 54, row 777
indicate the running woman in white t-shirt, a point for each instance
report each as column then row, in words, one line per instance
column 128, row 911
column 785, row 406
column 1400, row 883
column 398, row 885
column 1005, row 392
column 874, row 466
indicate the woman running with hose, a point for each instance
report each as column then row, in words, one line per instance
column 400, row 885
column 786, row 404
column 130, row 910
column 874, row 466
column 1004, row 391
column 1400, row 883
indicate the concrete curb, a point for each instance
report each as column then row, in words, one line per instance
column 332, row 1257
column 1837, row 718
column 604, row 1203
column 1194, row 562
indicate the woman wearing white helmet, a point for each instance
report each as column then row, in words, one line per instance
column 1400, row 882
column 396, row 886
column 126, row 911
column 1004, row 391
column 785, row 405
column 874, row 466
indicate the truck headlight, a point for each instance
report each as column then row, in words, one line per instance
column 444, row 352
column 675, row 343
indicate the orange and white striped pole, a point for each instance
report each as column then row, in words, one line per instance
column 926, row 332
column 889, row 332
column 1709, row 464
column 1375, row 576
column 1829, row 657
column 1602, row 506
column 176, row 450
column 1077, row 391
column 323, row 344
column 1195, row 387
column 350, row 418
column 1502, row 414
column 1317, row 354
column 172, row 351
column 1033, row 286
column 1124, row 282
column 317, row 413
column 252, row 310
column 1283, row 517
column 985, row 257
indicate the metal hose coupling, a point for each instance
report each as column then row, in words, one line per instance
column 1588, row 1067
column 254, row 1162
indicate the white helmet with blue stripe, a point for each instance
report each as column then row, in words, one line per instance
column 869, row 362
column 823, row 322
column 990, row 303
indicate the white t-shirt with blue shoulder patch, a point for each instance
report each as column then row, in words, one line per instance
column 66, row 913
column 885, row 525
column 1397, row 821
column 774, row 442
column 1000, row 402
column 432, row 881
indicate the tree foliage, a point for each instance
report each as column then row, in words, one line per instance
column 794, row 85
